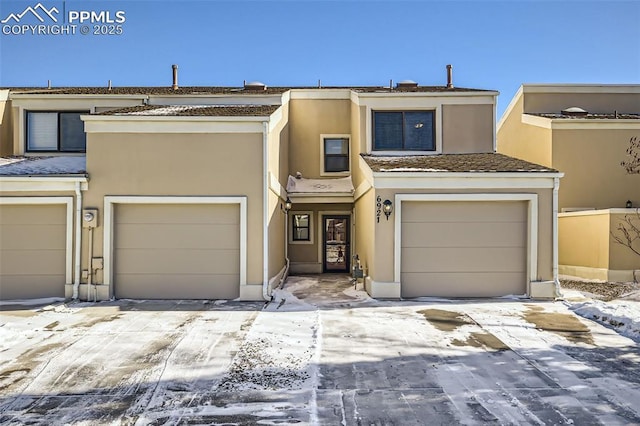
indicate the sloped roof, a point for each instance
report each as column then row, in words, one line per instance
column 43, row 166
column 219, row 90
column 465, row 163
column 194, row 110
column 187, row 90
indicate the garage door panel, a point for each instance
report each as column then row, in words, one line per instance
column 461, row 211
column 40, row 214
column 21, row 237
column 462, row 259
column 178, row 214
column 448, row 234
column 182, row 261
column 31, row 286
column 178, row 286
column 177, row 251
column 45, row 262
column 460, row 284
column 32, row 250
column 463, row 249
column 179, row 236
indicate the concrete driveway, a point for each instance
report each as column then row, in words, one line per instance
column 321, row 353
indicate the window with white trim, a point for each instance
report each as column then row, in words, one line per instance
column 55, row 131
column 404, row 131
column 301, row 227
column 336, row 155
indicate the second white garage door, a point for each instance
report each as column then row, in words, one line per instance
column 177, row 251
column 463, row 249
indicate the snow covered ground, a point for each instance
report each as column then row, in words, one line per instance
column 321, row 353
column 620, row 315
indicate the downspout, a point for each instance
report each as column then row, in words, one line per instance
column 556, row 281
column 266, row 293
column 286, row 249
column 76, row 281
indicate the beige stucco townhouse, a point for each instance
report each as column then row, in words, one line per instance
column 583, row 130
column 217, row 193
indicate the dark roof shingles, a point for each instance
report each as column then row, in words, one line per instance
column 467, row 163
column 216, row 90
column 195, row 111
column 590, row 116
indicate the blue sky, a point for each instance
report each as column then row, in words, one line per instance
column 491, row 44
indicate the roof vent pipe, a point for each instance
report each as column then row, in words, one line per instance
column 449, row 76
column 174, row 86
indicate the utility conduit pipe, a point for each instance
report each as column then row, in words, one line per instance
column 78, row 242
column 90, row 268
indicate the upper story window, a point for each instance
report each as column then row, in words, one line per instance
column 55, row 132
column 404, row 131
column 336, row 154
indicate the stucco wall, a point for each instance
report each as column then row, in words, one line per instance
column 592, row 102
column 621, row 257
column 587, row 248
column 179, row 164
column 308, row 119
column 357, row 142
column 530, row 143
column 590, row 160
column 584, row 240
column 278, row 145
column 467, row 128
column 365, row 231
column 6, row 129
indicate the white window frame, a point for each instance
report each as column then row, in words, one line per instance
column 334, row 136
column 57, row 150
column 389, row 105
column 290, row 227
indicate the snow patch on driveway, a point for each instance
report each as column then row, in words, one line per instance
column 622, row 316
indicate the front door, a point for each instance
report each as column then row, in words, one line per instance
column 336, row 249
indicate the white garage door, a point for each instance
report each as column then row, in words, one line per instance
column 177, row 251
column 463, row 249
column 32, row 251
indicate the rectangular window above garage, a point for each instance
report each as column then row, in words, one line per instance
column 60, row 131
column 404, row 131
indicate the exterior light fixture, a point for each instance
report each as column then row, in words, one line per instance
column 629, row 204
column 387, row 208
column 287, row 205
